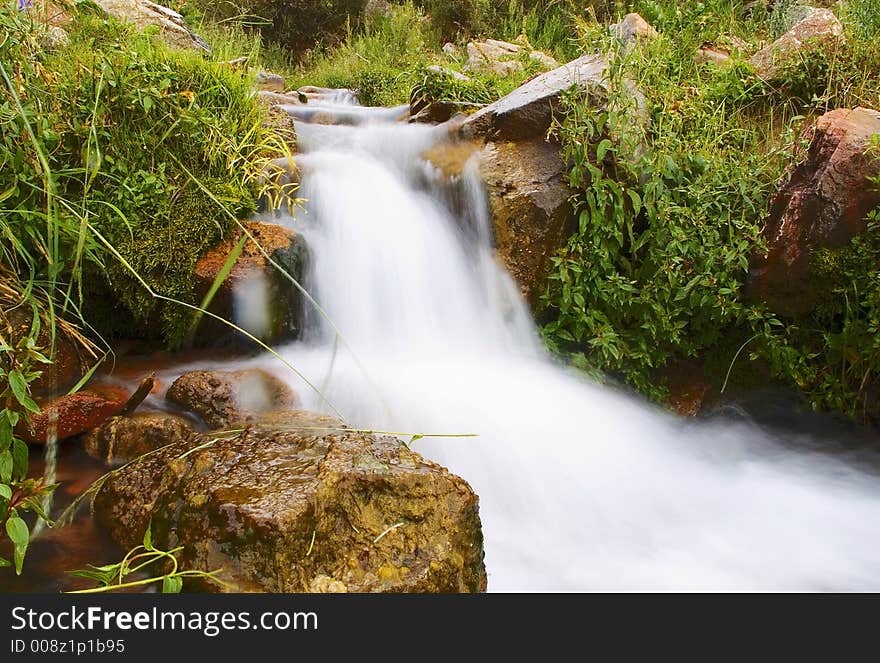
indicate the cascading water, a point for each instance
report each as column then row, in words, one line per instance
column 581, row 487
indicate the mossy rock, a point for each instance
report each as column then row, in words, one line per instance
column 282, row 507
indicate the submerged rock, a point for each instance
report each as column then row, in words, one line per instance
column 223, row 398
column 255, row 295
column 124, row 438
column 818, row 29
column 822, row 203
column 304, row 507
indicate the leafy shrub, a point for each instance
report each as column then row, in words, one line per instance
column 669, row 217
column 295, row 24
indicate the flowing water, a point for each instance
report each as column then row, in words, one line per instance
column 581, row 487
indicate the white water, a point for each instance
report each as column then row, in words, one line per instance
column 581, row 488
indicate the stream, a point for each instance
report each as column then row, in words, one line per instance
column 582, row 487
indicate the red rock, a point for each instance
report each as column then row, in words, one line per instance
column 282, row 320
column 822, row 204
column 74, row 414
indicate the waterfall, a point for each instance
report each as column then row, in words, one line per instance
column 581, row 487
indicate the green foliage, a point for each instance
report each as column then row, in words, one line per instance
column 825, row 77
column 121, row 138
column 18, row 493
column 836, row 348
column 647, row 276
column 670, row 215
column 862, row 18
column 476, row 89
column 142, row 560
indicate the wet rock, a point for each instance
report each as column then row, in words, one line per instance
column 270, row 98
column 689, row 388
column 318, row 95
column 527, row 111
column 224, row 398
column 524, row 173
column 822, row 203
column 631, row 30
column 124, row 438
column 269, row 81
column 73, row 414
column 501, row 57
column 143, row 14
column 528, row 193
column 255, row 295
column 818, row 29
column 299, row 509
column 277, row 119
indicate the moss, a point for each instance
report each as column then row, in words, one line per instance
column 164, row 252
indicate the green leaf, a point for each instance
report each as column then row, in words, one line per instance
column 172, row 585
column 601, row 149
column 4, row 562
column 19, row 459
column 5, row 431
column 19, row 534
column 5, row 491
column 148, row 538
column 18, row 385
column 6, row 464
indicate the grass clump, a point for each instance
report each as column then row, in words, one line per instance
column 150, row 150
column 380, row 62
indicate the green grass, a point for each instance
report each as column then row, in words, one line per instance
column 110, row 131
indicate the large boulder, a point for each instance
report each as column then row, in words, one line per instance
column 502, row 58
column 525, row 175
column 143, row 14
column 302, row 505
column 255, row 295
column 528, row 110
column 223, row 398
column 124, row 438
column 817, row 29
column 822, row 203
column 528, row 194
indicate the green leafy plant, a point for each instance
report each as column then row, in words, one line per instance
column 18, row 493
column 670, row 202
column 159, row 566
